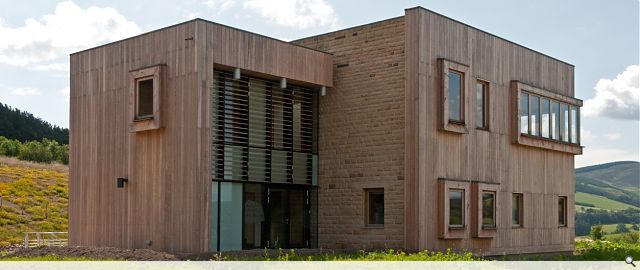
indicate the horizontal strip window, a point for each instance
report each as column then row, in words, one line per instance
column 549, row 118
column 262, row 132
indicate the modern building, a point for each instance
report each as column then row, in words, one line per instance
column 416, row 132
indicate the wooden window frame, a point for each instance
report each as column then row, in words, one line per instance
column 520, row 211
column 153, row 121
column 446, row 231
column 538, row 141
column 367, row 193
column 486, row 100
column 454, row 126
column 566, row 199
column 479, row 230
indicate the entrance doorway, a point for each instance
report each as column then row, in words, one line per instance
column 276, row 216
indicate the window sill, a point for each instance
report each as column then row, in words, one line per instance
column 140, row 119
column 457, row 228
column 517, row 227
column 489, row 228
column 455, row 127
column 541, row 142
column 373, row 227
column 483, row 129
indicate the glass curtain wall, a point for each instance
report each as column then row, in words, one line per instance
column 263, row 136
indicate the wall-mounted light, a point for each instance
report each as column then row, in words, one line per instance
column 283, row 83
column 323, row 91
column 236, row 74
column 121, row 182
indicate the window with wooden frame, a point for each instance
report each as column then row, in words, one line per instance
column 562, row 211
column 145, row 98
column 454, row 82
column 374, row 207
column 454, row 208
column 517, row 210
column 482, row 104
column 485, row 205
column 546, row 119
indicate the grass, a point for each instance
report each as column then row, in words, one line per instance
column 611, row 228
column 601, row 202
column 388, row 255
column 34, row 197
column 606, row 250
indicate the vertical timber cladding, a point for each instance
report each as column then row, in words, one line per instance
column 487, row 155
column 264, row 134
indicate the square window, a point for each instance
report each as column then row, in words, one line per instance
column 456, row 208
column 516, row 210
column 562, row 211
column 488, row 209
column 144, row 98
column 374, row 204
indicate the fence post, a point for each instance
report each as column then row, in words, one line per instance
column 26, row 240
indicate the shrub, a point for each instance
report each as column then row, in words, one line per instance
column 621, row 228
column 9, row 147
column 35, row 151
column 596, row 232
column 634, row 226
column 605, row 250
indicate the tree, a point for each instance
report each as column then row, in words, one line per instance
column 596, row 232
column 634, row 226
column 35, row 151
column 9, row 147
column 621, row 228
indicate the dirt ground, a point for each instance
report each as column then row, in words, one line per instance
column 96, row 253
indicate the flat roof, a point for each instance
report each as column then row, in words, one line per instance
column 203, row 20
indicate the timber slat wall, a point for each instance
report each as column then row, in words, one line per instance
column 490, row 156
column 168, row 194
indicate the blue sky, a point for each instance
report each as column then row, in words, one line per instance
column 601, row 38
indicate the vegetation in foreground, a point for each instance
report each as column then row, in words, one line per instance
column 52, row 258
column 45, row 151
column 32, row 198
column 388, row 255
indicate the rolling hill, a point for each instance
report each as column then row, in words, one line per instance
column 615, row 181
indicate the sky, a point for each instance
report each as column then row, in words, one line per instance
column 601, row 38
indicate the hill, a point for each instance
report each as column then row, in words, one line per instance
column 23, row 126
column 616, row 181
column 33, row 197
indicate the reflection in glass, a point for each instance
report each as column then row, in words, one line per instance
column 564, row 123
column 488, row 209
column 535, row 116
column 516, row 208
column 456, row 205
column 574, row 124
column 230, row 216
column 376, row 207
column 562, row 208
column 524, row 113
column 254, row 216
column 545, row 118
column 455, row 96
column 481, row 93
column 555, row 120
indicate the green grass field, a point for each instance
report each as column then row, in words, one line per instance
column 601, row 202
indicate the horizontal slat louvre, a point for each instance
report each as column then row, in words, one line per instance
column 261, row 132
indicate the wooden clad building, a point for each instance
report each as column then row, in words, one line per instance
column 417, row 132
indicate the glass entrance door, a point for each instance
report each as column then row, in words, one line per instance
column 288, row 217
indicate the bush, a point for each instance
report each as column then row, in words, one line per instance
column 605, row 250
column 634, row 226
column 9, row 147
column 596, row 233
column 621, row 228
column 35, row 151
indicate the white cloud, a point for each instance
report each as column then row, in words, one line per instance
column 60, row 67
column 300, row 14
column 220, row 5
column 618, row 98
column 69, row 28
column 614, row 136
column 593, row 156
column 25, row 91
column 66, row 93
column 586, row 135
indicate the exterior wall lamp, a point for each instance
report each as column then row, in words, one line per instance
column 121, row 182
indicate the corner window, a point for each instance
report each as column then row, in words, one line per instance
column 544, row 119
column 488, row 209
column 548, row 118
column 456, row 208
column 562, row 211
column 482, row 108
column 374, row 204
column 516, row 210
column 555, row 120
column 455, row 98
column 574, row 124
column 564, row 122
column 535, row 115
column 144, row 98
